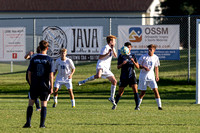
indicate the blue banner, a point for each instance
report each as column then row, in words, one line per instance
column 162, row 54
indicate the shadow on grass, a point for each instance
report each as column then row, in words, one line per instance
column 130, row 124
column 12, row 73
column 90, row 91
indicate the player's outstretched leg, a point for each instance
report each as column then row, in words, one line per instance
column 142, row 93
column 55, row 97
column 136, row 96
column 111, row 98
column 116, row 101
column 28, row 117
column 72, row 97
column 157, row 98
column 86, row 80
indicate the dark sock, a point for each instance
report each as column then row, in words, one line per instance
column 37, row 103
column 136, row 96
column 117, row 98
column 43, row 115
column 29, row 114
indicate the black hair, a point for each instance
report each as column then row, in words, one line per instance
column 127, row 44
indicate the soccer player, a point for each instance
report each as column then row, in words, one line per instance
column 128, row 76
column 40, row 75
column 147, row 64
column 103, row 66
column 29, row 56
column 66, row 69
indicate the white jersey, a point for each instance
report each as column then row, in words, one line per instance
column 106, row 61
column 149, row 62
column 64, row 68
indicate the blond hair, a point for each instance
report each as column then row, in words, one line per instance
column 110, row 38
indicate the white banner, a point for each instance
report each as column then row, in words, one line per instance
column 166, row 37
column 12, row 43
column 82, row 43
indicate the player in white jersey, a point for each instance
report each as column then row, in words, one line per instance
column 147, row 64
column 103, row 66
column 66, row 69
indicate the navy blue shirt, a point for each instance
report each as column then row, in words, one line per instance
column 127, row 70
column 40, row 66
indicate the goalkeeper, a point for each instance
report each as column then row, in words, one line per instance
column 127, row 63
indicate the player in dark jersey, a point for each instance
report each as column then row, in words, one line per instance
column 127, row 63
column 29, row 56
column 40, row 75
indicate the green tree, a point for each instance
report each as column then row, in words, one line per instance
column 180, row 7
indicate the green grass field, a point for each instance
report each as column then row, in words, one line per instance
column 93, row 110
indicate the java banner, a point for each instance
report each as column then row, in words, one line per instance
column 82, row 43
column 166, row 37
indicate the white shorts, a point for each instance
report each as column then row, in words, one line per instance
column 144, row 83
column 67, row 83
column 105, row 73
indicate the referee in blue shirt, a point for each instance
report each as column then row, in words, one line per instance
column 40, row 75
column 127, row 63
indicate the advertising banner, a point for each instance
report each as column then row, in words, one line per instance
column 12, row 44
column 166, row 37
column 82, row 43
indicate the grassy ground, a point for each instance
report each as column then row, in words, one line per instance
column 93, row 111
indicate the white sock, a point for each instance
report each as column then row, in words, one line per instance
column 73, row 102
column 89, row 79
column 158, row 100
column 140, row 102
column 55, row 99
column 113, row 89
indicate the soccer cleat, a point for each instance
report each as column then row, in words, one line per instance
column 114, row 107
column 73, row 106
column 42, row 126
column 160, row 108
column 27, row 126
column 112, row 101
column 38, row 109
column 137, row 108
column 54, row 105
column 81, row 83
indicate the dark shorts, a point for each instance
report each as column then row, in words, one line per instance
column 125, row 82
column 44, row 96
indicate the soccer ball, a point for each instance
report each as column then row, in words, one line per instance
column 124, row 50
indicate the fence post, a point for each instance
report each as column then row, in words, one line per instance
column 110, row 30
column 11, row 66
column 188, row 48
column 34, row 32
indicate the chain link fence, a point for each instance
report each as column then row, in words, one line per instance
column 185, row 68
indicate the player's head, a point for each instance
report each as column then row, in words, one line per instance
column 38, row 50
column 63, row 52
column 128, row 44
column 43, row 45
column 111, row 40
column 151, row 49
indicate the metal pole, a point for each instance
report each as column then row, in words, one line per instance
column 11, row 66
column 110, row 26
column 188, row 49
column 34, row 32
column 197, row 61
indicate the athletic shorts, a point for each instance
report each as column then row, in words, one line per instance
column 144, row 83
column 125, row 82
column 67, row 83
column 105, row 73
column 44, row 96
